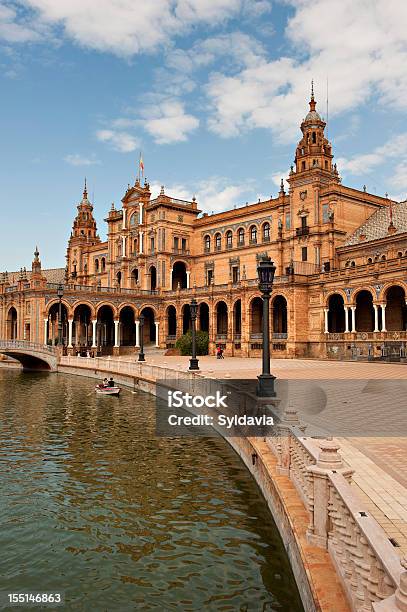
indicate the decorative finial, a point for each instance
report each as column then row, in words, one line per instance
column 112, row 206
column 312, row 89
column 364, row 188
column 312, row 103
column 162, row 190
column 85, row 191
column 36, row 254
column 282, row 192
column 194, row 198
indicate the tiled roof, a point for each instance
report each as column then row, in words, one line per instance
column 53, row 275
column 377, row 226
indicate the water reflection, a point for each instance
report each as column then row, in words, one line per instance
column 95, row 505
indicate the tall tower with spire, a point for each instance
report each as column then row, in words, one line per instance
column 314, row 151
column 83, row 236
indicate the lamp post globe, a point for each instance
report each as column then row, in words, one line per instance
column 60, row 294
column 193, row 362
column 266, row 271
column 141, row 356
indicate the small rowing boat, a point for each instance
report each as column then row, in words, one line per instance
column 102, row 390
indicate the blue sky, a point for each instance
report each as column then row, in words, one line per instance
column 212, row 92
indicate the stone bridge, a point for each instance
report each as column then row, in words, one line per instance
column 31, row 355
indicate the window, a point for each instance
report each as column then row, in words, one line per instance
column 303, row 165
column 235, row 274
column 288, row 221
column 176, row 244
column 184, row 244
column 133, row 219
column 218, row 242
column 304, row 254
column 253, row 234
column 209, row 277
column 229, row 239
column 103, row 264
column 325, row 213
column 152, row 246
column 303, row 222
column 207, row 243
column 96, row 266
column 240, row 236
column 314, row 138
column 266, row 232
column 326, row 165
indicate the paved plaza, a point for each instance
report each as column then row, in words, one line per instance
column 380, row 462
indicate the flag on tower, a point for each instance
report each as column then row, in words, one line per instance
column 141, row 165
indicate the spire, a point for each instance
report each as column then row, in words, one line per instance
column 85, row 191
column 282, row 191
column 36, row 254
column 312, row 103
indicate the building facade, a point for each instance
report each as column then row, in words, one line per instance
column 339, row 291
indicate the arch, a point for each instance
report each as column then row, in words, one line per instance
column 218, row 241
column 203, row 311
column 253, row 234
column 364, row 311
column 240, row 236
column 335, row 292
column 127, row 326
column 12, row 324
column 367, row 289
column 53, row 303
column 389, row 285
column 280, row 318
column 103, row 264
column 336, row 313
column 179, row 275
column 237, row 318
column 53, row 323
column 82, row 326
column 186, row 318
column 105, row 327
column 153, row 278
column 265, row 230
column 396, row 310
column 171, row 316
column 207, row 243
column 256, row 315
column 149, row 332
column 221, row 318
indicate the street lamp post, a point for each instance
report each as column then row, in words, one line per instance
column 193, row 362
column 141, row 356
column 60, row 294
column 266, row 270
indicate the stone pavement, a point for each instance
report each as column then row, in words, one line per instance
column 380, row 462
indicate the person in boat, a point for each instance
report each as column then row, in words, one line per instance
column 105, row 383
column 111, row 382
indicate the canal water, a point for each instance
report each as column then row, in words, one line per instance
column 95, row 506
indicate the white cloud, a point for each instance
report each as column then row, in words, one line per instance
column 123, row 27
column 168, row 122
column 14, row 30
column 395, row 148
column 215, row 194
column 76, row 159
column 121, row 141
column 361, row 46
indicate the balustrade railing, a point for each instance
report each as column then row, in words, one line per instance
column 25, row 344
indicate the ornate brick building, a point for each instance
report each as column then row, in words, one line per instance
column 339, row 291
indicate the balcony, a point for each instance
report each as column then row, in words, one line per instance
column 302, row 231
column 180, row 251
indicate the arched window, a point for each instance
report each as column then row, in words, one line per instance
column 314, row 138
column 253, row 234
column 383, row 257
column 266, row 232
column 229, row 242
column 103, row 264
column 240, row 236
column 133, row 219
column 303, row 165
column 218, row 242
column 207, row 244
column 96, row 266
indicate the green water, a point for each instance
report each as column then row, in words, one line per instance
column 95, row 506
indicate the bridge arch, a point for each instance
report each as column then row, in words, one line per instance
column 31, row 355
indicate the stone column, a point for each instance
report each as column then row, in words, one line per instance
column 353, row 309
column 141, row 213
column 137, row 333
column 45, row 331
column 124, row 219
column 188, row 273
column 171, row 279
column 94, row 339
column 346, row 319
column 326, row 311
column 376, row 318
column 384, row 317
column 116, row 334
column 140, row 246
column 157, row 334
column 124, row 246
column 70, row 325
